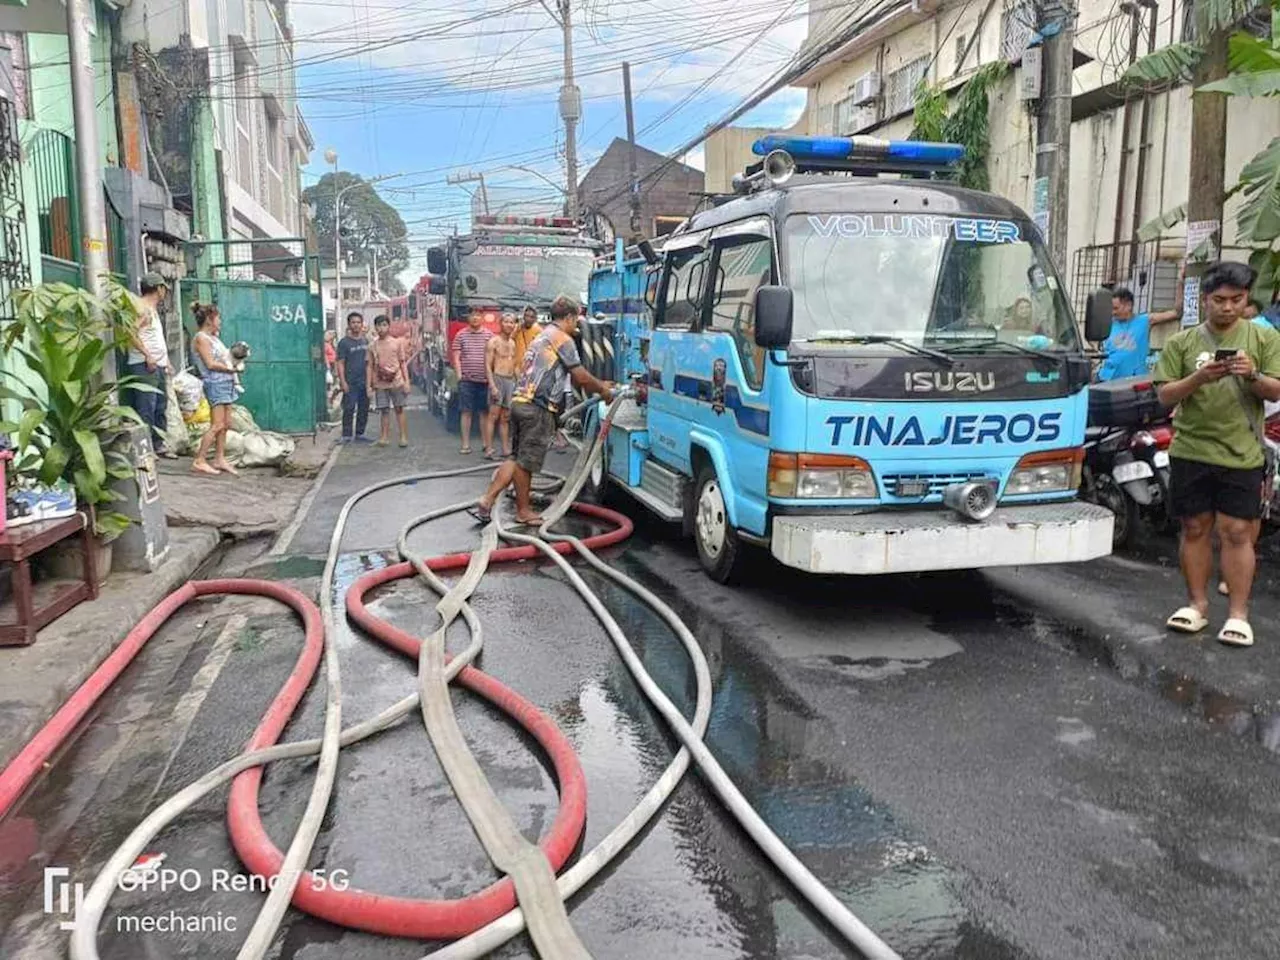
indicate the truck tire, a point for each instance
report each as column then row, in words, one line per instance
column 719, row 549
column 596, row 487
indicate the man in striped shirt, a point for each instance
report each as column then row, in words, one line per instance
column 469, row 362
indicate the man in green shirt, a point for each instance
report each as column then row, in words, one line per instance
column 1218, row 375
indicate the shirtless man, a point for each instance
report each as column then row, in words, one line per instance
column 500, row 360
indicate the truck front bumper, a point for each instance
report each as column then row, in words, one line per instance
column 918, row 540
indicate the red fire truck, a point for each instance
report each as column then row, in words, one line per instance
column 504, row 265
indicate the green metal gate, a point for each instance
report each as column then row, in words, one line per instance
column 282, row 323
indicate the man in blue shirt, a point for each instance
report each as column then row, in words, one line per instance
column 1261, row 316
column 1127, row 347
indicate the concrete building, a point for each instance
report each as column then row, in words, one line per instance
column 356, row 288
column 42, row 198
column 867, row 86
column 666, row 198
column 229, row 134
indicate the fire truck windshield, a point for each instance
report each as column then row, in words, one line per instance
column 519, row 275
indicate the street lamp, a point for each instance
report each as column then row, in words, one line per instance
column 559, row 188
column 331, row 156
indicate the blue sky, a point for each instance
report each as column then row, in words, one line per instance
column 471, row 85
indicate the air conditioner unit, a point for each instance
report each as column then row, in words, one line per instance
column 866, row 88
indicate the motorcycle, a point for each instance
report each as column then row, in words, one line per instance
column 1126, row 456
column 1126, row 470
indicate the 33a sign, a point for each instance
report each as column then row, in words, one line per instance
column 287, row 313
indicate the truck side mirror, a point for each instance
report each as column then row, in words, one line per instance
column 1097, row 316
column 774, row 309
column 437, row 262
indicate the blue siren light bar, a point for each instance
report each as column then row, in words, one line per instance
column 828, row 149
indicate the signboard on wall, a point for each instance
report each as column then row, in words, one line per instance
column 1029, row 78
column 1040, row 206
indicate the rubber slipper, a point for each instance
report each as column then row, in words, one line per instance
column 480, row 514
column 1187, row 620
column 1236, row 633
column 465, row 450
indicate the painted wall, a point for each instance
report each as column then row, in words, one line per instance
column 49, row 88
column 1097, row 141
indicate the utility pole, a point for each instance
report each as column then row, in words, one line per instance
column 631, row 153
column 1205, row 184
column 331, row 156
column 479, row 199
column 1053, row 126
column 570, row 112
column 93, row 216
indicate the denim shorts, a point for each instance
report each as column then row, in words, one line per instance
column 473, row 397
column 219, row 391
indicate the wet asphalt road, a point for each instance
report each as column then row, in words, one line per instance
column 944, row 759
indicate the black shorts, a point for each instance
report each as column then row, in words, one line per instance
column 1197, row 488
column 532, row 430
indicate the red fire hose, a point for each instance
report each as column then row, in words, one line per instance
column 358, row 909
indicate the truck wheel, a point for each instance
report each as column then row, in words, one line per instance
column 719, row 549
column 1110, row 495
column 594, row 487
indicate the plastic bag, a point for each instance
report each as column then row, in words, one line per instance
column 189, row 390
column 201, row 414
column 175, row 429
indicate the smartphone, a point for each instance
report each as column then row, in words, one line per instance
column 1225, row 356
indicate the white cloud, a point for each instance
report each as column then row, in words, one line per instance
column 696, row 158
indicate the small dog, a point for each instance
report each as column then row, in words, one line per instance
column 239, row 353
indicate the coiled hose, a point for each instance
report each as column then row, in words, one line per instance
column 486, row 919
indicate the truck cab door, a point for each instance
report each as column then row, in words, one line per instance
column 742, row 261
column 675, row 341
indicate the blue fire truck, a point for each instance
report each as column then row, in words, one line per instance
column 862, row 373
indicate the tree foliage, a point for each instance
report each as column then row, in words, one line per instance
column 368, row 224
column 964, row 122
column 75, row 429
column 1254, row 71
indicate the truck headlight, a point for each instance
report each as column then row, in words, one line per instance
column 1049, row 471
column 816, row 476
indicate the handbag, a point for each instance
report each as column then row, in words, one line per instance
column 1259, row 431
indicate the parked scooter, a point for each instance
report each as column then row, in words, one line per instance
column 1126, row 459
column 1126, row 470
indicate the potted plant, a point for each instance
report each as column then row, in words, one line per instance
column 72, row 424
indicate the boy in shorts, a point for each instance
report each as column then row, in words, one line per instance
column 500, row 360
column 1219, row 375
column 388, row 378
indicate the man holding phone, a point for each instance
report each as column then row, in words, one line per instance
column 1218, row 375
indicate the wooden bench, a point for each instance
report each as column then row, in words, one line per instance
column 34, row 606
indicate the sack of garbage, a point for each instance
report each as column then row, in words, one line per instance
column 258, row 449
column 242, row 420
column 175, row 429
column 189, row 390
column 199, row 415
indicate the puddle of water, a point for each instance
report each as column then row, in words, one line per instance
column 766, row 738
column 287, row 568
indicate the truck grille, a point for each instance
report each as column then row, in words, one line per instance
column 915, row 486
